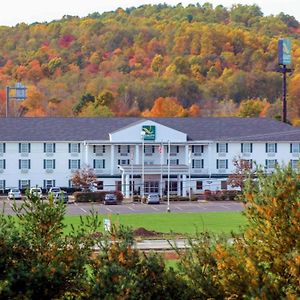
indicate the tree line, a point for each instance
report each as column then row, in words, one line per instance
column 119, row 63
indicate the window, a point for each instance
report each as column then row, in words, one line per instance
column 49, row 164
column 2, row 164
column 48, row 183
column 24, row 148
column 74, row 148
column 71, row 184
column 197, row 149
column 222, row 163
column 151, row 187
column 149, row 149
column 173, row 162
column 199, row 185
column 271, row 163
column 99, row 185
column 123, row 162
column 24, row 164
column 197, row 163
column 173, row 186
column 271, row 147
column 294, row 148
column 294, row 163
column 99, row 149
column 99, row 163
column 124, row 149
column 2, row 184
column 49, row 148
column 24, row 184
column 2, row 148
column 222, row 147
column 174, row 150
column 74, row 164
column 247, row 163
column 223, row 185
column 246, row 147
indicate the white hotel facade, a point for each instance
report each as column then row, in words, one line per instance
column 194, row 154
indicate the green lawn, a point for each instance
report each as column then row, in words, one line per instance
column 184, row 223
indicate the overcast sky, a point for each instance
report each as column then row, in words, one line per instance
column 29, row 11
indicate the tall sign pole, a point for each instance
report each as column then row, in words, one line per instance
column 20, row 94
column 284, row 59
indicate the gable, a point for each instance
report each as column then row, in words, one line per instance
column 154, row 132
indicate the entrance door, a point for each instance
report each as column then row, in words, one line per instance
column 151, row 187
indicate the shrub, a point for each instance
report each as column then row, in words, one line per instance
column 222, row 195
column 95, row 196
column 181, row 198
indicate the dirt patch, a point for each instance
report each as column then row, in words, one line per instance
column 143, row 232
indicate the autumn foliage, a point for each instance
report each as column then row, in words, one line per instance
column 211, row 58
column 264, row 261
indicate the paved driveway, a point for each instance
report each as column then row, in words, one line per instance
column 129, row 208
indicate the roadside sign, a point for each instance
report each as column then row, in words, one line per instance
column 284, row 51
column 107, row 225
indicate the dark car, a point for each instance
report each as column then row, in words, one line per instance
column 110, row 199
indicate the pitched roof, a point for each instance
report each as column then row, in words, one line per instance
column 80, row 129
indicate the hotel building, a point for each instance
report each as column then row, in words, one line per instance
column 141, row 155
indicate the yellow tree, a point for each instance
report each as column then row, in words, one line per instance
column 253, row 108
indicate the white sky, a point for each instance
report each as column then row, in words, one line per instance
column 29, row 11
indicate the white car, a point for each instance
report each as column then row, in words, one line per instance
column 153, row 198
column 14, row 193
column 54, row 191
column 37, row 192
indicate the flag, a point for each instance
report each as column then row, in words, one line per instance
column 190, row 156
column 160, row 149
column 131, row 155
column 161, row 152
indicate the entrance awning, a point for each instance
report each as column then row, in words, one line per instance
column 155, row 169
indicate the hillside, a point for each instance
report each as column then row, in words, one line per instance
column 192, row 60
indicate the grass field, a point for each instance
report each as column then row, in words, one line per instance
column 183, row 223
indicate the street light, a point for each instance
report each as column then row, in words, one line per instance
column 168, row 185
column 143, row 163
column 20, row 94
column 190, row 162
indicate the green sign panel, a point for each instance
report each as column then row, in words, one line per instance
column 284, row 52
column 149, row 132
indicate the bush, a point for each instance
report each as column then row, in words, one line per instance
column 181, row 198
column 95, row 196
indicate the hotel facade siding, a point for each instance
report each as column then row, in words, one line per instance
column 139, row 155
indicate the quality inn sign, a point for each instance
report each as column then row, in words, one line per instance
column 149, row 132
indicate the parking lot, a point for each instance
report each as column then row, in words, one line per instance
column 73, row 208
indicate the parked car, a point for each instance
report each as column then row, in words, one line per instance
column 152, row 199
column 54, row 191
column 14, row 193
column 37, row 191
column 61, row 196
column 110, row 198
